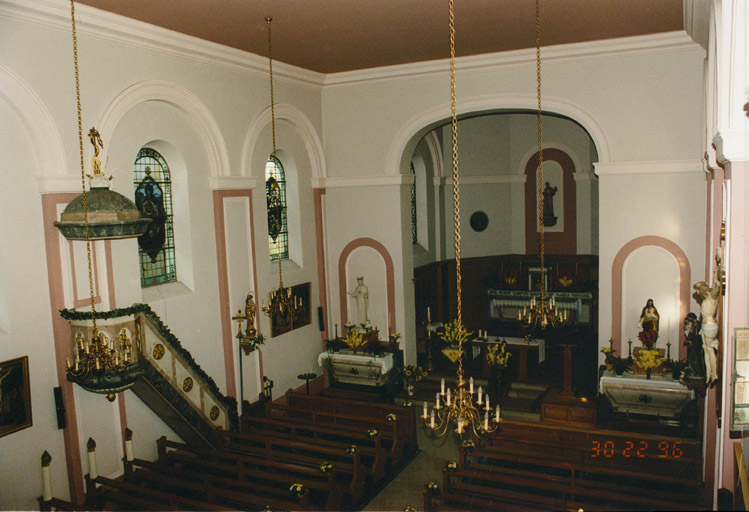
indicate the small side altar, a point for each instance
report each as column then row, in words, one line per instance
column 348, row 367
column 634, row 393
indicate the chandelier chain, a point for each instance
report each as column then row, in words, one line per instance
column 540, row 177
column 456, row 182
column 268, row 20
column 83, row 171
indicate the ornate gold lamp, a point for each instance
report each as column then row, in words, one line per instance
column 282, row 305
column 101, row 364
column 542, row 312
column 455, row 407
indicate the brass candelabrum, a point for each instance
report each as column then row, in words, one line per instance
column 104, row 365
column 281, row 303
column 542, row 312
column 457, row 407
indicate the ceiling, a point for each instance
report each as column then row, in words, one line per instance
column 332, row 36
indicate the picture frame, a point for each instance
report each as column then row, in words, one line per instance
column 15, row 396
column 279, row 325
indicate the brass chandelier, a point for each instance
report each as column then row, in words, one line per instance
column 101, row 364
column 282, row 306
column 542, row 311
column 455, row 407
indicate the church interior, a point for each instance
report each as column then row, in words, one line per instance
column 392, row 255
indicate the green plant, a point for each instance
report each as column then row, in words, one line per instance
column 497, row 356
column 674, row 367
column 617, row 364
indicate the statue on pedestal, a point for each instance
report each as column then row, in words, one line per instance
column 649, row 322
column 361, row 293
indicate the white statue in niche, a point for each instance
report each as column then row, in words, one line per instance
column 708, row 296
column 361, row 294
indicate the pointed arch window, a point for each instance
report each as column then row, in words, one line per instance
column 275, row 193
column 153, row 197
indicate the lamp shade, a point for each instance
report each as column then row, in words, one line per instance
column 110, row 215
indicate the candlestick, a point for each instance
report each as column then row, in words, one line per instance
column 481, row 391
column 426, row 413
column 486, row 421
column 46, row 477
column 442, row 387
column 448, row 397
column 129, row 445
column 432, row 424
column 487, row 403
column 497, row 414
column 470, row 386
column 438, row 402
column 93, row 472
column 630, row 347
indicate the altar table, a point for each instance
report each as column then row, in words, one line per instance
column 519, row 345
column 347, row 367
column 658, row 396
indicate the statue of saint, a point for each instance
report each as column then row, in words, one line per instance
column 249, row 312
column 649, row 321
column 549, row 192
column 693, row 341
column 707, row 297
column 361, row 293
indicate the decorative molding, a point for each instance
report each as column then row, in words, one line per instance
column 648, row 167
column 110, row 27
column 609, row 48
column 732, row 146
column 584, row 176
column 368, row 181
column 232, row 182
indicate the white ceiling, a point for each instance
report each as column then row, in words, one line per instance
column 331, row 36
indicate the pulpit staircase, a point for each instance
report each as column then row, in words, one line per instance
column 173, row 385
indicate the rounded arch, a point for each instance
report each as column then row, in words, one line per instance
column 184, row 100
column 389, row 276
column 617, row 267
column 304, row 128
column 50, row 152
column 405, row 140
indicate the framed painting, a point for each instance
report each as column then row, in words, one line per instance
column 280, row 324
column 15, row 396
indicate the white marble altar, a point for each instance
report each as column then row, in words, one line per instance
column 351, row 368
column 658, row 396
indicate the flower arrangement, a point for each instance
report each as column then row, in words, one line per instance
column 648, row 338
column 354, row 340
column 250, row 344
column 649, row 359
column 394, row 337
column 454, row 333
column 617, row 364
column 413, row 374
column 497, row 356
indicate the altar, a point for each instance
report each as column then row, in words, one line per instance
column 521, row 346
column 350, row 368
column 658, row 396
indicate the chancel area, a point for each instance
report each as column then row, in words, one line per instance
column 395, row 255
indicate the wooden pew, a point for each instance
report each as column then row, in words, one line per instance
column 125, row 493
column 325, row 491
column 348, row 466
column 373, row 454
column 405, row 415
column 500, row 479
column 389, row 429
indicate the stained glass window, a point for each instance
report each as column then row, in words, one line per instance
column 153, row 197
column 275, row 192
column 414, row 224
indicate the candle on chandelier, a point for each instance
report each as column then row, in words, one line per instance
column 429, row 315
column 487, row 403
column 486, row 421
column 438, row 401
column 496, row 418
column 481, row 392
column 448, row 397
column 432, row 422
column 442, row 387
column 460, row 425
column 470, row 386
column 426, row 413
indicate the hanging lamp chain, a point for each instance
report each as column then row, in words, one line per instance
column 542, row 248
column 83, row 171
column 268, row 20
column 456, row 184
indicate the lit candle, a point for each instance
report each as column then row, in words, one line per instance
column 438, row 401
column 448, row 397
column 487, row 403
column 481, row 392
column 442, row 387
column 470, row 386
column 496, row 418
column 426, row 414
column 486, row 421
column 432, row 422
